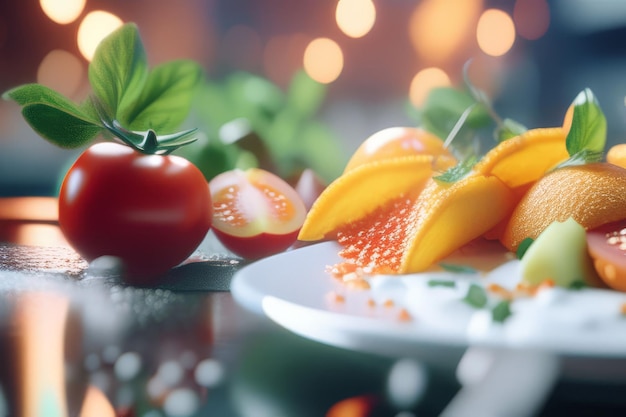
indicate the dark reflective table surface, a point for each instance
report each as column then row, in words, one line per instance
column 76, row 341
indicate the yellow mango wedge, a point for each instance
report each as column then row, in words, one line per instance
column 361, row 190
column 450, row 215
column 524, row 159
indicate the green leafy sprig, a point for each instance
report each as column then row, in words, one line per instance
column 129, row 100
column 586, row 139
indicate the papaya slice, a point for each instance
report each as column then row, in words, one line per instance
column 525, row 158
column 361, row 190
column 448, row 216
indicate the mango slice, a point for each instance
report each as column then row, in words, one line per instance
column 525, row 158
column 451, row 215
column 361, row 190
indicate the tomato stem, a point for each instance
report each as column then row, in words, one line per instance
column 147, row 142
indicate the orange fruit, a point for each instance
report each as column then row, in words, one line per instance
column 523, row 159
column 617, row 155
column 395, row 142
column 362, row 190
column 410, row 233
column 592, row 194
column 378, row 240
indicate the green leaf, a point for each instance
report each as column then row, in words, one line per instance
column 166, row 97
column 448, row 283
column 458, row 269
column 583, row 157
column 457, row 172
column 61, row 121
column 476, row 296
column 523, row 247
column 39, row 94
column 60, row 127
column 445, row 105
column 501, row 311
column 578, row 285
column 509, row 129
column 119, row 69
column 588, row 131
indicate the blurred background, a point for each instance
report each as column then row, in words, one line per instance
column 350, row 67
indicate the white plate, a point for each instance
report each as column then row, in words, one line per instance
column 294, row 290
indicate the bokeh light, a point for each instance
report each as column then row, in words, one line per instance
column 495, row 32
column 62, row 71
column 62, row 11
column 532, row 18
column 96, row 403
column 95, row 27
column 323, row 60
column 439, row 29
column 426, row 80
column 355, row 18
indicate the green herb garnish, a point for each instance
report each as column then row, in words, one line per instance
column 129, row 100
column 501, row 311
column 586, row 139
column 578, row 285
column 442, row 283
column 476, row 296
column 523, row 247
column 459, row 269
column 457, row 172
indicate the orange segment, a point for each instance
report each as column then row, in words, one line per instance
column 395, row 142
column 448, row 216
column 617, row 155
column 361, row 190
column 525, row 158
column 592, row 194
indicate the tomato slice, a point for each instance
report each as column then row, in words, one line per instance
column 607, row 247
column 255, row 212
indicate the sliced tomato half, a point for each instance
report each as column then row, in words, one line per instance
column 255, row 212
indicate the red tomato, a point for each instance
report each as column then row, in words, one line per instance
column 255, row 213
column 150, row 211
column 607, row 247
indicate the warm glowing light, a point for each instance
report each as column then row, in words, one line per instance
column 62, row 71
column 439, row 29
column 41, row 319
column 495, row 32
column 532, row 18
column 323, row 60
column 95, row 27
column 355, row 18
column 96, row 403
column 424, row 81
column 352, row 407
column 62, row 11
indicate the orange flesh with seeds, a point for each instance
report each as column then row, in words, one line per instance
column 378, row 241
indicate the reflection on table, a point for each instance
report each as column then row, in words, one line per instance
column 79, row 342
